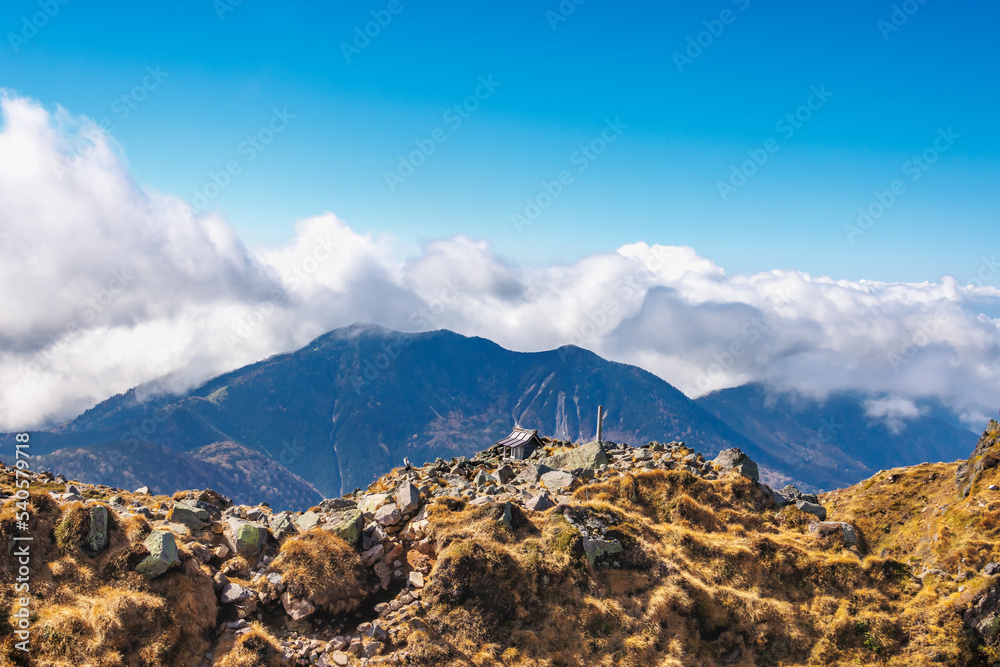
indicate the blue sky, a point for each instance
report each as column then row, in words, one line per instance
column 894, row 91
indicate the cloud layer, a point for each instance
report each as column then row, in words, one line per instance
column 108, row 285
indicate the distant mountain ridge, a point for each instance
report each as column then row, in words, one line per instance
column 354, row 402
column 351, row 404
column 834, row 442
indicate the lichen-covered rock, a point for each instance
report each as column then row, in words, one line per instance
column 370, row 502
column 590, row 455
column 307, row 521
column 599, row 549
column 346, row 523
column 97, row 533
column 162, row 547
column 189, row 515
column 245, row 537
column 559, row 480
column 983, row 614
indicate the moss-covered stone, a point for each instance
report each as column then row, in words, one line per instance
column 162, row 548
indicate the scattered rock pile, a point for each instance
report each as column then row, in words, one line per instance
column 375, row 547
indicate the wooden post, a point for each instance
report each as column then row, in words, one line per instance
column 600, row 422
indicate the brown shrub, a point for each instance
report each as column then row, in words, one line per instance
column 320, row 567
column 257, row 648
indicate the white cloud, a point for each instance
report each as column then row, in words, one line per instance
column 108, row 285
column 893, row 411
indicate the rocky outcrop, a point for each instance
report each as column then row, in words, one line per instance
column 735, row 460
column 982, row 616
column 985, row 456
column 383, row 536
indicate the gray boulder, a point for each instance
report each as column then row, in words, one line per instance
column 97, row 535
column 162, row 547
column 234, row 593
column 504, row 473
column 590, row 455
column 189, row 515
column 407, row 498
column 331, row 504
column 483, row 478
column 346, row 523
column 825, row 528
column 734, row 459
column 540, row 503
column 388, row 515
column 307, row 521
column 812, row 508
column 531, row 473
column 245, row 537
column 281, row 524
column 559, row 480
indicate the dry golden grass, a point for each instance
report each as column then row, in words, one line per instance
column 712, row 574
column 320, row 567
column 92, row 610
column 257, row 648
column 720, row 576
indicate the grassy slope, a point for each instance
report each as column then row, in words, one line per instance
column 713, row 574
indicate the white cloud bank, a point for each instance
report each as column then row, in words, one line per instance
column 106, row 285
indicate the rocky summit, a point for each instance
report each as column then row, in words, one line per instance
column 597, row 554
